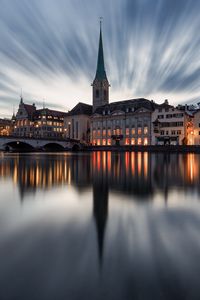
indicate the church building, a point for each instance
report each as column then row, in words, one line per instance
column 126, row 122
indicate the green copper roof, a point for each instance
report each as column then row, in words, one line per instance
column 100, row 73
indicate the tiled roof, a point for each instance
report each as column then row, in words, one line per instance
column 81, row 109
column 30, row 109
column 123, row 105
column 47, row 111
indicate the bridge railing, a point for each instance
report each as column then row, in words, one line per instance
column 55, row 139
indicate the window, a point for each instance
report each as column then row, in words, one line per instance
column 98, row 142
column 109, row 142
column 127, row 142
column 139, row 130
column 160, row 110
column 167, row 132
column 105, row 94
column 118, row 131
column 162, row 132
column 160, row 116
column 94, row 142
column 109, row 132
column 77, row 129
column 179, row 132
column 104, row 132
column 169, row 116
column 139, row 141
column 133, row 131
column 145, row 130
column 127, row 131
column 132, row 141
column 104, row 142
column 98, row 132
column 97, row 93
column 173, row 132
column 146, row 141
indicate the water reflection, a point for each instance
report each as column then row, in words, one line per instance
column 145, row 249
column 139, row 174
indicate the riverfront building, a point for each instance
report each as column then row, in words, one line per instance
column 126, row 122
column 40, row 123
column 172, row 126
column 6, row 127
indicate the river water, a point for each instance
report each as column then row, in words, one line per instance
column 99, row 225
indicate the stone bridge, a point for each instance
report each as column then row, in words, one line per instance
column 14, row 143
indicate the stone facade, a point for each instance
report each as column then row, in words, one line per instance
column 38, row 123
column 122, row 123
column 77, row 123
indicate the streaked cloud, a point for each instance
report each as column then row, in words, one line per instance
column 49, row 49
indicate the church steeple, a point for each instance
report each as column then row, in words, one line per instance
column 100, row 72
column 100, row 83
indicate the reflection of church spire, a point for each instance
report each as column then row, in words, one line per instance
column 100, row 211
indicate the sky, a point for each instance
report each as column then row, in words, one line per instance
column 48, row 48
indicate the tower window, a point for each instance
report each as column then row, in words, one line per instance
column 97, row 93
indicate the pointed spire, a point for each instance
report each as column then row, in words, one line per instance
column 100, row 72
column 21, row 97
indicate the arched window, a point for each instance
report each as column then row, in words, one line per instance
column 97, row 93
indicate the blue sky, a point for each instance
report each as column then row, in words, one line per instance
column 49, row 49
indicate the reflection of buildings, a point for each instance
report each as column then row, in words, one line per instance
column 139, row 175
column 100, row 209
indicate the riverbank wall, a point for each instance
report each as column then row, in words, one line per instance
column 149, row 148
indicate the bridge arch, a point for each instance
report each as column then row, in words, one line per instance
column 76, row 147
column 17, row 146
column 53, row 146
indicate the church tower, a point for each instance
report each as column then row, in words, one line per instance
column 100, row 84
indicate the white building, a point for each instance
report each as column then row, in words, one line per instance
column 171, row 126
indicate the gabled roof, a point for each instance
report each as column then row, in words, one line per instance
column 30, row 109
column 81, row 109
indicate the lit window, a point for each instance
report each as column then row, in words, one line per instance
column 127, row 131
column 133, row 131
column 94, row 132
column 146, row 141
column 98, row 132
column 109, row 142
column 104, row 132
column 145, row 130
column 98, row 142
column 109, row 132
column 139, row 130
column 127, row 142
column 94, row 142
column 118, row 131
column 104, row 142
column 139, row 141
column 132, row 141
